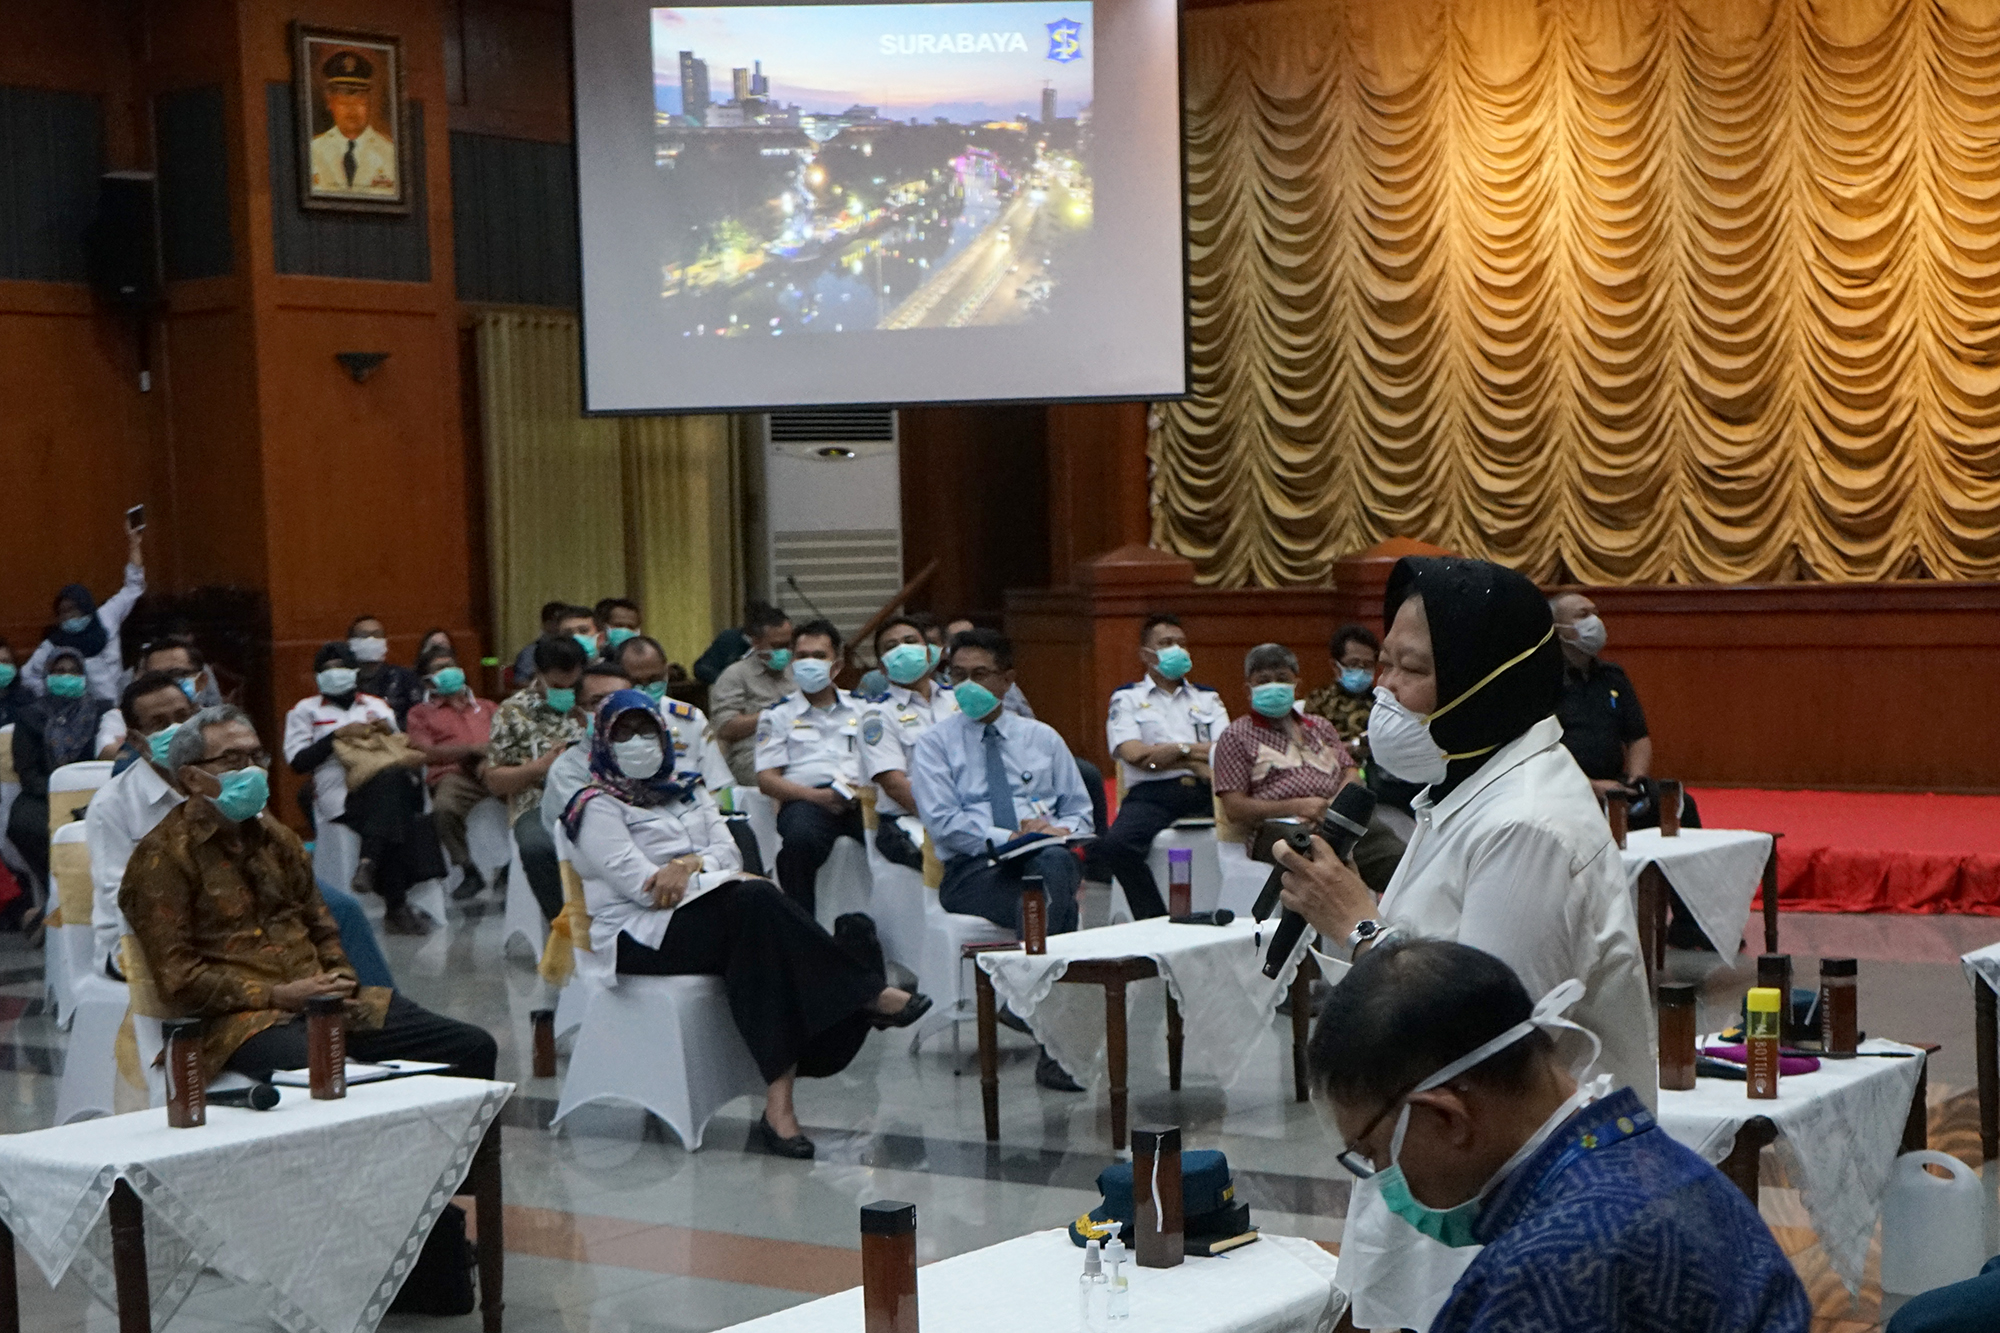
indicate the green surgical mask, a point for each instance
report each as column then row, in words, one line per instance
column 1173, row 662
column 67, row 687
column 908, row 663
column 560, row 700
column 587, row 642
column 158, row 742
column 655, row 690
column 618, row 634
column 974, row 699
column 1273, row 699
column 777, row 659
column 450, row 680
column 7, row 674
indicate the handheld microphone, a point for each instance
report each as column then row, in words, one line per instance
column 1342, row 826
column 256, row 1097
column 1221, row 916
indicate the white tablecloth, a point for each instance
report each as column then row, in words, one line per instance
column 1215, row 974
column 1279, row 1284
column 1715, row 871
column 1983, row 965
column 322, row 1206
column 1839, row 1130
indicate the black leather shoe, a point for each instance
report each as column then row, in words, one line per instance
column 471, row 886
column 1007, row 1018
column 798, row 1147
column 1050, row 1075
column 919, row 1005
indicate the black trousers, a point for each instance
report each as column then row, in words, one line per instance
column 538, row 860
column 28, row 830
column 410, row 1032
column 806, row 834
column 975, row 886
column 1093, row 782
column 1146, row 810
column 798, row 998
column 746, row 844
column 396, row 832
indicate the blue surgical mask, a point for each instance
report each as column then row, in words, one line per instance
column 560, row 700
column 67, row 687
column 76, row 624
column 812, row 673
column 618, row 634
column 7, row 673
column 158, row 742
column 190, row 685
column 1274, row 699
column 1173, row 662
column 449, row 680
column 1357, row 680
column 244, row 793
column 777, row 659
column 974, row 699
column 336, row 681
column 908, row 663
column 655, row 690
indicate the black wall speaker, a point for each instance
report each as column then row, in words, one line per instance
column 123, row 244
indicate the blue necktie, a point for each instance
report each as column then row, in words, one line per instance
column 999, row 791
column 348, row 162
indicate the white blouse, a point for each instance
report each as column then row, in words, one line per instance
column 618, row 847
column 1518, row 860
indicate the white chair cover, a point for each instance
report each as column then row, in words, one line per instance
column 898, row 904
column 66, row 950
column 523, row 919
column 1242, row 878
column 944, row 974
column 763, row 812
column 89, row 1082
column 1207, row 886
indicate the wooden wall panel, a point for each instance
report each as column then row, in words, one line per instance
column 975, row 493
column 507, row 67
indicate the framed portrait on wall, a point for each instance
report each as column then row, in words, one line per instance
column 353, row 149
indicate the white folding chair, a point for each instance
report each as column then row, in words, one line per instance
column 10, row 787
column 1198, row 836
column 90, row 1078
column 667, row 1044
column 1242, row 878
column 523, row 919
column 72, row 786
column 489, row 838
column 149, row 1012
column 943, row 971
column 897, row 901
column 843, row 884
column 67, row 946
column 336, row 853
column 763, row 812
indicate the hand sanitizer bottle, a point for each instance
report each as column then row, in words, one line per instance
column 1091, row 1289
column 1118, row 1297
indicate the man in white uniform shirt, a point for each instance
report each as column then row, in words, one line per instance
column 891, row 724
column 351, row 156
column 809, row 760
column 130, row 805
column 1159, row 730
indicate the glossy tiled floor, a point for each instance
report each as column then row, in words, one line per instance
column 614, row 1228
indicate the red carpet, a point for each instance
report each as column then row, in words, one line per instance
column 1872, row 851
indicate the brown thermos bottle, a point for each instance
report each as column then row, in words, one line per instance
column 889, row 1267
column 1668, row 793
column 1034, row 915
column 1677, row 1035
column 1615, row 811
column 326, row 1047
column 1839, row 1024
column 187, row 1096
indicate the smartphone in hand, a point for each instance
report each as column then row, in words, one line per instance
column 135, row 519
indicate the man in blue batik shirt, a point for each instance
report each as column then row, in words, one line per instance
column 1448, row 1091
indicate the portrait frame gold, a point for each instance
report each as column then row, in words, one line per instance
column 311, row 47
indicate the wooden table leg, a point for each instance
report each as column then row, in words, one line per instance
column 1917, row 1128
column 989, row 1052
column 1301, row 1029
column 485, row 1180
column 1770, row 899
column 10, row 1293
column 1174, row 1041
column 1986, row 1009
column 128, row 1260
column 1740, row 1166
column 1652, row 908
column 1114, row 1056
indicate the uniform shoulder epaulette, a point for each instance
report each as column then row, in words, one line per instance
column 679, row 708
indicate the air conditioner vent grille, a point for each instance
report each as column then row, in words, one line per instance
column 844, row 425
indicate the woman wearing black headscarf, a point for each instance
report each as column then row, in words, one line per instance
column 58, row 728
column 83, row 627
column 1511, row 853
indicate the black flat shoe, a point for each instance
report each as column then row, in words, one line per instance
column 919, row 1005
column 798, row 1147
column 1050, row 1075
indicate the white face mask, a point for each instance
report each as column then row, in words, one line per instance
column 335, row 681
column 369, row 650
column 1588, row 634
column 1401, row 741
column 639, row 757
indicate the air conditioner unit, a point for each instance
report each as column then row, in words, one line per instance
column 833, row 512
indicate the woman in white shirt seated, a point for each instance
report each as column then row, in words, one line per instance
column 1511, row 854
column 667, row 896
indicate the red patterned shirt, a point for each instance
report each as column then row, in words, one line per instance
column 1279, row 761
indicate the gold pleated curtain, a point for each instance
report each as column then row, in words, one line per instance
column 586, row 507
column 1626, row 291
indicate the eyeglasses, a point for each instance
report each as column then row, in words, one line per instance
column 232, row 761
column 1358, row 1165
column 978, row 675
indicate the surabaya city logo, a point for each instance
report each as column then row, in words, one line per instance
column 1065, row 41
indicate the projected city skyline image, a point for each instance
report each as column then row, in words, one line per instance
column 841, row 168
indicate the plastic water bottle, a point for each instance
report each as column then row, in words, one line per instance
column 1933, row 1226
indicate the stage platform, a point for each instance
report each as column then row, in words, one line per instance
column 1872, row 851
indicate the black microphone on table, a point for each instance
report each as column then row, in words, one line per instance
column 1343, row 824
column 256, row 1097
column 1221, row 916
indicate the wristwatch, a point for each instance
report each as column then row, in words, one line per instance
column 1366, row 932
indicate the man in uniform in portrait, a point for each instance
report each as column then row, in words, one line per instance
column 352, row 157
